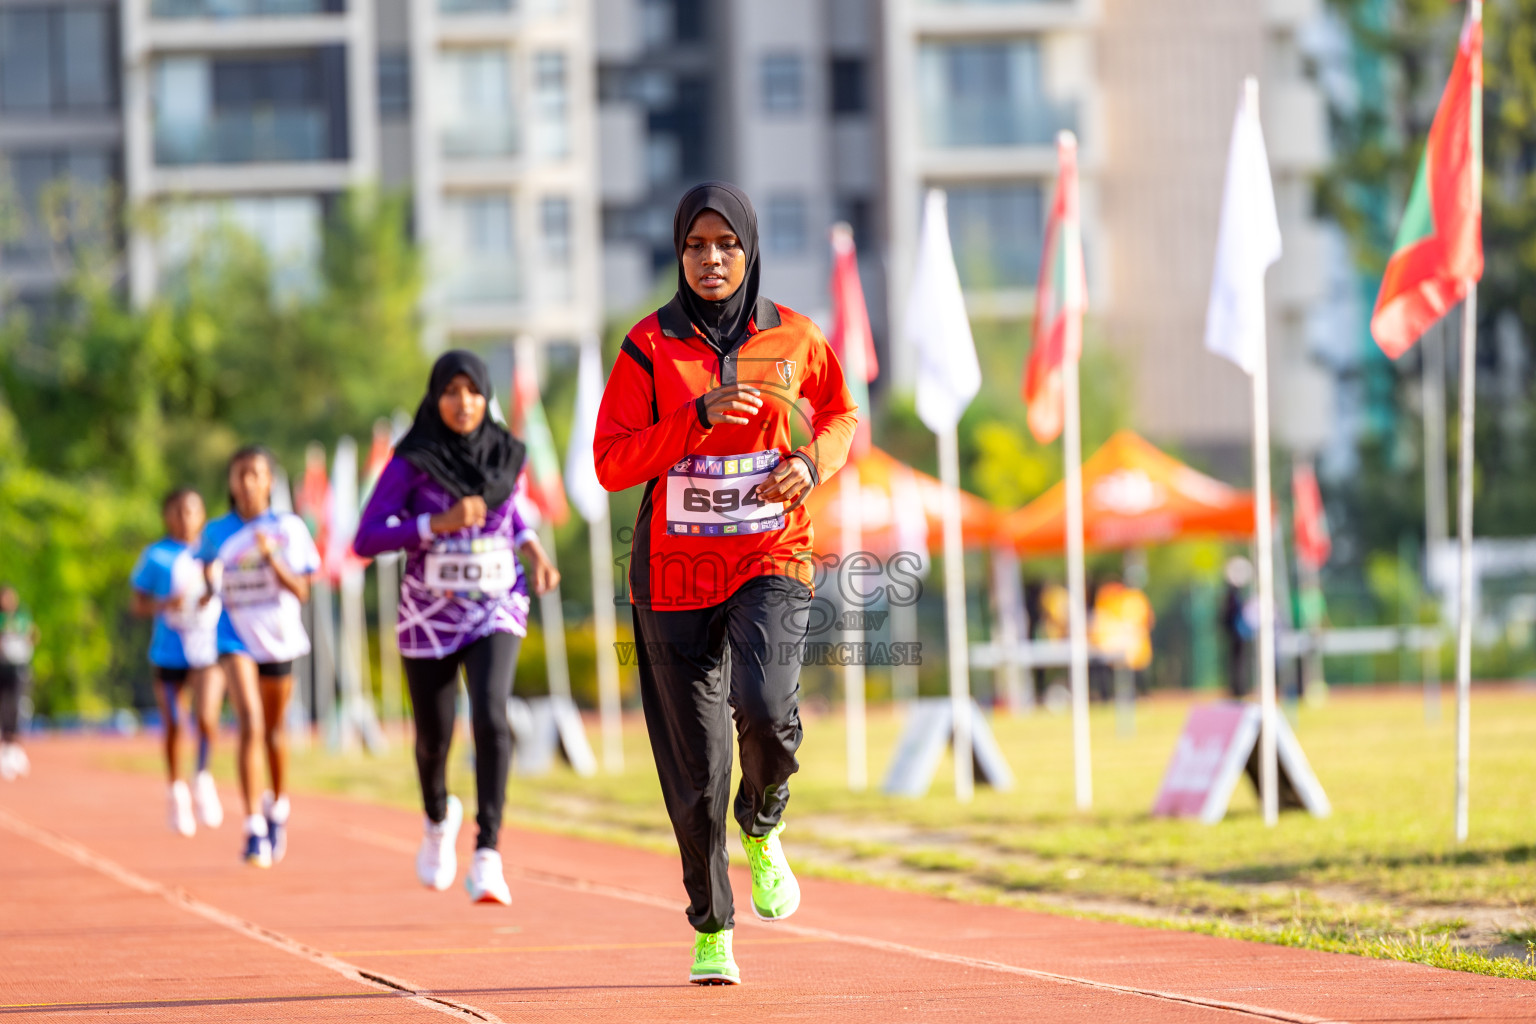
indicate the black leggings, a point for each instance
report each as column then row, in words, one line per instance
column 489, row 664
column 13, row 686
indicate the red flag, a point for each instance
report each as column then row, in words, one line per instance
column 851, row 338
column 1061, row 296
column 1313, row 544
column 379, row 453
column 313, row 500
column 1439, row 247
column 541, row 470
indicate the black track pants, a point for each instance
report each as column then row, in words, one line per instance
column 489, row 664
column 698, row 669
column 13, row 687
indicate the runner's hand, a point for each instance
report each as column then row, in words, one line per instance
column 265, row 545
column 545, row 576
column 789, row 481
column 466, row 512
column 732, row 403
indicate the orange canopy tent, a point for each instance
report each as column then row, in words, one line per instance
column 897, row 502
column 1133, row 495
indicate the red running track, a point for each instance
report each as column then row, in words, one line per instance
column 106, row 915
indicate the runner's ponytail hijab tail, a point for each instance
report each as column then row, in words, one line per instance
column 724, row 321
column 484, row 462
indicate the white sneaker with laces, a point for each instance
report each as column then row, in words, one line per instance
column 436, row 862
column 485, row 883
column 205, row 799
column 7, row 761
column 182, row 821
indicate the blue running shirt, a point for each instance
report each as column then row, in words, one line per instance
column 183, row 636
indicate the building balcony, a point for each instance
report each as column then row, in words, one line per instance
column 479, row 141
column 488, row 281
column 973, row 17
column 246, row 137
column 961, row 125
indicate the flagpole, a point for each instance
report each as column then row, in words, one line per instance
column 604, row 623
column 853, row 629
column 1464, row 481
column 954, row 614
column 1077, row 584
column 1269, row 788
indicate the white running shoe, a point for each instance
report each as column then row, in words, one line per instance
column 182, row 821
column 436, row 862
column 275, row 810
column 485, row 883
column 205, row 799
column 13, row 762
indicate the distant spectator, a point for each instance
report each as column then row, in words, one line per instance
column 1237, row 625
column 18, row 639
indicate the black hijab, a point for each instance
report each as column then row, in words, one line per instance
column 485, row 462
column 724, row 322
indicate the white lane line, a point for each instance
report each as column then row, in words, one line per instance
column 632, row 896
column 574, row 884
column 178, row 897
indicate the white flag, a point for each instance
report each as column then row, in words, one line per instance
column 1248, row 242
column 948, row 375
column 581, row 485
column 282, row 494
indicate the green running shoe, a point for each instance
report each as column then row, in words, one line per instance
column 712, row 960
column 775, row 893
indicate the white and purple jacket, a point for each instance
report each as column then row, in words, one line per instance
column 435, row 624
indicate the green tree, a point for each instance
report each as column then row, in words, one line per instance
column 1402, row 53
column 103, row 406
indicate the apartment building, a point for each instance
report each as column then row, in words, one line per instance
column 261, row 113
column 1171, row 74
column 978, row 91
column 783, row 99
column 60, row 119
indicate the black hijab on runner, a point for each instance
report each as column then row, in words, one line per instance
column 724, row 322
column 485, row 462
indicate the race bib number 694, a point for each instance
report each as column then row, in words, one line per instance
column 716, row 496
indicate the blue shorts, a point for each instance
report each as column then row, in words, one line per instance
column 229, row 640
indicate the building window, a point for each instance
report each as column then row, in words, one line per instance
column 692, row 21
column 783, row 84
column 474, row 92
column 551, row 103
column 394, row 83
column 556, row 235
column 251, row 110
column 987, row 94
column 70, row 184
column 479, row 248
column 58, row 59
column 849, row 89
column 786, row 225
column 997, row 231
column 855, row 211
column 555, row 225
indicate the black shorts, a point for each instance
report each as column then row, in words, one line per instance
column 274, row 669
column 172, row 676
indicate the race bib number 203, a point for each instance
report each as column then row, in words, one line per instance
column 716, row 495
